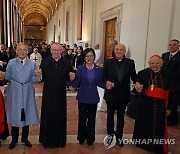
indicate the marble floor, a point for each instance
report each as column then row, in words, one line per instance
column 72, row 146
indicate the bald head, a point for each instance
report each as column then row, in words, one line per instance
column 119, row 51
column 155, row 63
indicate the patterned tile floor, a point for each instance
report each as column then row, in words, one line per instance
column 72, row 146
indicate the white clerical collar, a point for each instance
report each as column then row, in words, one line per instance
column 56, row 59
column 119, row 60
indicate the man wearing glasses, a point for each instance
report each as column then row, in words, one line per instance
column 55, row 72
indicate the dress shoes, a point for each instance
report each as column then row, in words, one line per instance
column 12, row 145
column 89, row 143
column 27, row 143
column 81, row 143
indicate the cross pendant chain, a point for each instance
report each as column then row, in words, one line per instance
column 153, row 81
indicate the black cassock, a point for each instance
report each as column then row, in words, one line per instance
column 151, row 115
column 53, row 112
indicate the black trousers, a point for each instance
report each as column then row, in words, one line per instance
column 86, row 123
column 15, row 133
column 174, row 97
column 119, row 107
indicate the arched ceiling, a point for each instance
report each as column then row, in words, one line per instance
column 36, row 12
column 39, row 19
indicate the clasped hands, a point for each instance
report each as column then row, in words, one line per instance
column 138, row 86
column 109, row 85
column 71, row 76
column 38, row 73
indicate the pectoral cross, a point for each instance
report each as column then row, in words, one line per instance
column 35, row 59
column 152, row 87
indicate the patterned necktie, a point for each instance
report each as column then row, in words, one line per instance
column 170, row 56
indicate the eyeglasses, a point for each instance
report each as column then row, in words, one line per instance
column 22, row 50
column 57, row 50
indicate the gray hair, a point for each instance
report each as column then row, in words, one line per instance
column 114, row 42
column 22, row 43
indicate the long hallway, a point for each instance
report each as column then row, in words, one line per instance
column 72, row 146
column 145, row 27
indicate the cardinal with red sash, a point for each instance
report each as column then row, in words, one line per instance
column 4, row 132
column 150, row 130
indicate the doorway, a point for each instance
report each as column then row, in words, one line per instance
column 110, row 34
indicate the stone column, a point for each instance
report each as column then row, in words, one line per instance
column 1, row 22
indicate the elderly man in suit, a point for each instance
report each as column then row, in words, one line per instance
column 117, row 91
column 171, row 61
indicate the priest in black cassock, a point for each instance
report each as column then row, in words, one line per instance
column 154, row 106
column 55, row 72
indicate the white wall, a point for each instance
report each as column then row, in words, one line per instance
column 50, row 28
column 136, row 39
column 175, row 20
column 159, row 26
column 146, row 26
column 60, row 14
column 87, row 21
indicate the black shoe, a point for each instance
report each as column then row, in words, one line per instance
column 81, row 143
column 90, row 143
column 0, row 143
column 119, row 142
column 12, row 145
column 27, row 143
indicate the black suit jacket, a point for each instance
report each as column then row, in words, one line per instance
column 121, row 79
column 3, row 56
column 172, row 65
